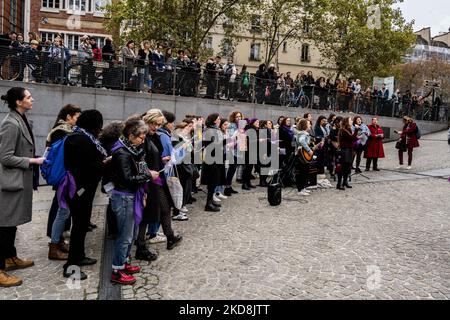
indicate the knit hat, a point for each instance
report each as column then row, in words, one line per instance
column 251, row 121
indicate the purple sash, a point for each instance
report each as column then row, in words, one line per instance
column 66, row 188
column 139, row 203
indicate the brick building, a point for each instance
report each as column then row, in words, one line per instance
column 70, row 18
column 12, row 16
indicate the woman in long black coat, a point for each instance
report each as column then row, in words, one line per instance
column 212, row 166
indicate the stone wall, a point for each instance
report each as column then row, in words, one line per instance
column 117, row 105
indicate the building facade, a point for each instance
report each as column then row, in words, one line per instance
column 70, row 18
column 12, row 16
column 428, row 47
column 292, row 56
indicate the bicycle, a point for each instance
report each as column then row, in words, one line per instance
column 301, row 100
column 12, row 66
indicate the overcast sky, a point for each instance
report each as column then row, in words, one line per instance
column 428, row 13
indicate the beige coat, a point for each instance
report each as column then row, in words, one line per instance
column 16, row 174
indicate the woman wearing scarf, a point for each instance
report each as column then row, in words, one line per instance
column 158, row 208
column 130, row 173
column 211, row 168
column 84, row 160
column 361, row 143
column 58, row 218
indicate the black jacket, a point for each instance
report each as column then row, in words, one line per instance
column 83, row 160
column 153, row 149
column 125, row 171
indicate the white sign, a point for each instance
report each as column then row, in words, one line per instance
column 389, row 81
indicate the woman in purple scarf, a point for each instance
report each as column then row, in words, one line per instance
column 129, row 175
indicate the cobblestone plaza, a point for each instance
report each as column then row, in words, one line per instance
column 387, row 238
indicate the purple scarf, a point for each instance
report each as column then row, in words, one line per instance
column 66, row 190
column 140, row 193
column 289, row 132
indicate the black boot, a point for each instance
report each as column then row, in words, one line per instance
column 375, row 164
column 368, row 162
column 345, row 184
column 211, row 207
column 339, row 184
column 245, row 186
column 262, row 181
column 142, row 253
column 173, row 241
column 227, row 192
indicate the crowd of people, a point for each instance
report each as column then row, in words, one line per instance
column 135, row 161
column 150, row 67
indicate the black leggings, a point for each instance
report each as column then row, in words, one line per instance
column 410, row 156
column 7, row 248
column 301, row 176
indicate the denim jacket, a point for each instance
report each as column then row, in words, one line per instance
column 303, row 139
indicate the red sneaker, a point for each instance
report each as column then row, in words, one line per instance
column 131, row 269
column 122, row 278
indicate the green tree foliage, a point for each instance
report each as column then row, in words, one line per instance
column 355, row 40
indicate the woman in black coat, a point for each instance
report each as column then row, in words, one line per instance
column 212, row 166
column 84, row 158
column 158, row 208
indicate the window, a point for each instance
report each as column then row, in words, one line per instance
column 51, row 4
column 99, row 5
column 227, row 48
column 207, row 43
column 305, row 53
column 227, row 22
column 77, row 5
column 284, row 47
column 255, row 51
column 13, row 16
column 256, row 23
column 73, row 41
column 48, row 36
column 100, row 42
column 306, row 27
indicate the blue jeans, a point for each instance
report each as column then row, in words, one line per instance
column 219, row 189
column 123, row 208
column 59, row 224
column 153, row 229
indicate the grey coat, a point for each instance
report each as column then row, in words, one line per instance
column 16, row 174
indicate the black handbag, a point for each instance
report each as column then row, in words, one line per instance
column 401, row 145
column 274, row 191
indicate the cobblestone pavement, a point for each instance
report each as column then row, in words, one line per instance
column 45, row 280
column 387, row 238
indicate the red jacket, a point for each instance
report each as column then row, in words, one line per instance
column 375, row 144
column 97, row 54
column 409, row 134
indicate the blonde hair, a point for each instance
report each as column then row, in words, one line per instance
column 153, row 115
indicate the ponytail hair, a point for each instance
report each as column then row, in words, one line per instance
column 13, row 94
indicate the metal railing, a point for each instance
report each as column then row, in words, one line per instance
column 60, row 65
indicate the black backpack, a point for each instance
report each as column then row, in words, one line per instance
column 274, row 191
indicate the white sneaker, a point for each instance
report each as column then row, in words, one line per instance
column 311, row 187
column 157, row 239
column 215, row 198
column 399, row 167
column 306, row 190
column 184, row 209
column 303, row 193
column 408, row 168
column 221, row 196
column 180, row 217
